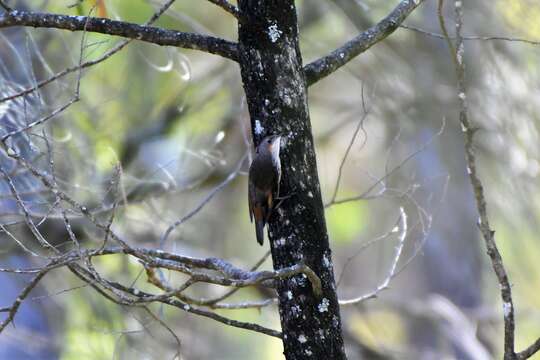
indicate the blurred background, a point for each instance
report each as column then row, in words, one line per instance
column 176, row 120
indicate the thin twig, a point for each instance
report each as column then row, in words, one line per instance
column 364, row 246
column 86, row 64
column 365, row 195
column 359, row 126
column 201, row 205
column 23, row 294
column 326, row 65
column 169, row 330
column 471, row 37
column 393, row 266
column 227, row 6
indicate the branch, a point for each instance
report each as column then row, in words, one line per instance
column 7, row 8
column 208, row 197
column 359, row 126
column 530, row 351
column 154, row 35
column 89, row 63
column 457, row 53
column 227, row 6
column 324, row 66
column 137, row 297
column 17, row 303
column 367, row 194
column 392, row 272
column 470, row 37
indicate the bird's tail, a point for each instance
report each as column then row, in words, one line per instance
column 259, row 231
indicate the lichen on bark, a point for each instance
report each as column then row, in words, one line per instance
column 276, row 93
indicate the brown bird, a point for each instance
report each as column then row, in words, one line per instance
column 264, row 177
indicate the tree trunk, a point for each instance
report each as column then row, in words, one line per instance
column 275, row 88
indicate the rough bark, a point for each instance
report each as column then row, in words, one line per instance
column 275, row 88
column 128, row 30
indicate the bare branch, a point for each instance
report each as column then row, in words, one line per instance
column 7, row 8
column 326, row 65
column 208, row 197
column 530, row 351
column 488, row 234
column 154, row 35
column 211, row 302
column 169, row 330
column 393, row 266
column 24, row 293
column 359, row 126
column 86, row 64
column 227, row 6
column 364, row 246
column 39, row 121
column 366, row 194
column 133, row 297
column 470, row 37
column 27, row 218
column 483, row 224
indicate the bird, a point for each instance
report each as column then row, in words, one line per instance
column 263, row 183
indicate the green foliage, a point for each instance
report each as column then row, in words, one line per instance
column 346, row 221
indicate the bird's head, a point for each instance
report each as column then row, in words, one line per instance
column 270, row 145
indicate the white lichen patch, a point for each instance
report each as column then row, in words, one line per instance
column 287, row 100
column 302, row 339
column 325, row 261
column 296, row 311
column 274, row 33
column 280, row 242
column 459, row 53
column 507, row 307
column 323, row 306
column 289, row 295
column 309, row 352
column 310, row 194
column 258, row 128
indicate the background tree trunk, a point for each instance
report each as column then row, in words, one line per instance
column 276, row 93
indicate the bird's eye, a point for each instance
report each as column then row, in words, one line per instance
column 269, row 141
